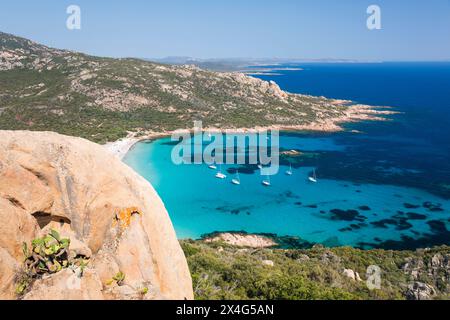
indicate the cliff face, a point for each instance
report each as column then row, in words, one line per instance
column 114, row 219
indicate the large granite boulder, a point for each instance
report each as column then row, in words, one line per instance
column 113, row 217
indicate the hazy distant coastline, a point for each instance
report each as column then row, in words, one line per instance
column 244, row 64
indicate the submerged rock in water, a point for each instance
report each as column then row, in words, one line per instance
column 111, row 215
column 433, row 207
column 346, row 215
column 438, row 226
column 411, row 206
column 416, row 216
column 399, row 223
column 402, row 216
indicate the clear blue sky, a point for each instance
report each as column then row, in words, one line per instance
column 412, row 29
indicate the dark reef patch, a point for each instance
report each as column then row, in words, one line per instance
column 234, row 210
column 409, row 216
column 411, row 206
column 364, row 208
column 399, row 223
column 433, row 207
column 416, row 216
column 346, row 215
column 383, row 223
column 437, row 226
column 290, row 195
column 244, row 169
column 353, row 227
column 439, row 235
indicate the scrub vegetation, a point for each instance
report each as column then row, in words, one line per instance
column 220, row 271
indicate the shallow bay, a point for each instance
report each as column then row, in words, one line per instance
column 385, row 187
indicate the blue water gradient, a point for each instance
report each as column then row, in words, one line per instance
column 387, row 187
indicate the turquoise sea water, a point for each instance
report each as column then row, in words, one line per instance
column 387, row 187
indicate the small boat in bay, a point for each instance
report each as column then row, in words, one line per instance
column 237, row 180
column 313, row 178
column 220, row 175
column 289, row 172
column 213, row 165
column 266, row 182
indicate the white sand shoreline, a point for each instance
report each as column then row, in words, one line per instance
column 121, row 147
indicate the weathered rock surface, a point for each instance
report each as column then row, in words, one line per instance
column 420, row 291
column 436, row 268
column 349, row 273
column 242, row 240
column 111, row 215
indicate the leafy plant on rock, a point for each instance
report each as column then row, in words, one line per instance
column 49, row 254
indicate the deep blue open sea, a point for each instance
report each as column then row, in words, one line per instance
column 387, row 187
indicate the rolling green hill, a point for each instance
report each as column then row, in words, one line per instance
column 102, row 99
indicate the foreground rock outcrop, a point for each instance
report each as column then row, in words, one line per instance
column 114, row 219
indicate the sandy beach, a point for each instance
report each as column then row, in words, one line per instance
column 121, row 147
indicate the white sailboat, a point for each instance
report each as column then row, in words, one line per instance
column 220, row 175
column 314, row 177
column 289, row 172
column 213, row 165
column 266, row 182
column 237, row 180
